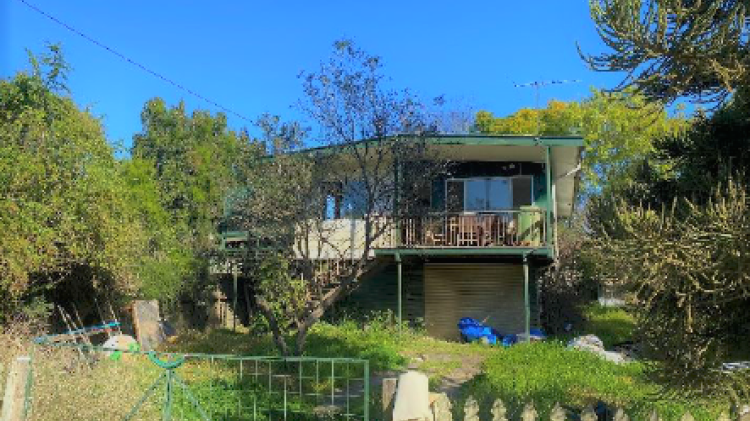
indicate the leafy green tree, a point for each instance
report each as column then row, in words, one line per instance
column 674, row 48
column 63, row 211
column 618, row 129
column 77, row 223
column 165, row 262
column 676, row 235
column 196, row 162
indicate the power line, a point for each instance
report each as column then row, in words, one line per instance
column 133, row 62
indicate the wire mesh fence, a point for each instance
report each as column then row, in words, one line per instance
column 85, row 382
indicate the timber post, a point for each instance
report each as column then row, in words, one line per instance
column 389, row 395
column 17, row 390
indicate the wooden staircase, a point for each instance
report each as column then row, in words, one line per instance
column 329, row 274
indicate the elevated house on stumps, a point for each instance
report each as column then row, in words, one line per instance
column 474, row 243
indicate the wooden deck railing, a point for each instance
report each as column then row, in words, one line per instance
column 510, row 228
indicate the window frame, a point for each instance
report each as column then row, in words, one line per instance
column 463, row 180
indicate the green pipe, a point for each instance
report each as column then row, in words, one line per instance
column 398, row 278
column 167, row 414
column 367, row 390
column 396, row 200
column 234, row 298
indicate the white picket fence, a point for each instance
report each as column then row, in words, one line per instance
column 471, row 412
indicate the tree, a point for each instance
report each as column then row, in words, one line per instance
column 619, row 129
column 165, row 262
column 299, row 201
column 687, row 265
column 196, row 162
column 676, row 235
column 673, row 48
column 68, row 230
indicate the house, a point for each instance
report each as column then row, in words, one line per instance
column 487, row 232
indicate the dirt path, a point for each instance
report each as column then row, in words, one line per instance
column 453, row 370
column 471, row 365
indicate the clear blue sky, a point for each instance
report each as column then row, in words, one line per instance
column 247, row 55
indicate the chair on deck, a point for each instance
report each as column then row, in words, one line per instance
column 468, row 230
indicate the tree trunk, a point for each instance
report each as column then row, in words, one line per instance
column 301, row 340
column 248, row 303
column 278, row 336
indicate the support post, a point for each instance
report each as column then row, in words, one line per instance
column 400, row 288
column 396, row 199
column 526, row 297
column 234, row 297
column 16, row 390
column 550, row 202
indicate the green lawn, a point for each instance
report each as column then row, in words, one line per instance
column 546, row 373
column 611, row 325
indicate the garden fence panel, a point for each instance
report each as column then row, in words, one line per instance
column 83, row 382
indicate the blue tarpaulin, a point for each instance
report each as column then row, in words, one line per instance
column 475, row 330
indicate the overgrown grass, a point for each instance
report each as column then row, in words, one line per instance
column 546, row 373
column 611, row 324
column 378, row 343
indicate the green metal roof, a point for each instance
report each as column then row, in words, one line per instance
column 514, row 140
column 475, row 139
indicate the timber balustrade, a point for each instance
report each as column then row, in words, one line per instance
column 509, row 228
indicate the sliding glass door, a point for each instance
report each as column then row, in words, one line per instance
column 488, row 194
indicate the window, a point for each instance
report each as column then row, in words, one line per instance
column 349, row 200
column 488, row 194
column 499, row 194
column 354, row 200
column 475, row 195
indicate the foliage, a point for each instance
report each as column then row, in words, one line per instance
column 714, row 149
column 165, row 262
column 548, row 373
column 675, row 235
column 196, row 160
column 183, row 167
column 674, row 48
column 371, row 132
column 566, row 286
column 611, row 324
column 80, row 224
column 686, row 265
column 64, row 213
column 618, row 129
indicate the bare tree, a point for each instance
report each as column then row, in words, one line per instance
column 327, row 208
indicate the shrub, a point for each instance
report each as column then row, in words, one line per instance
column 688, row 268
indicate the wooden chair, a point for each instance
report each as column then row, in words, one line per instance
column 468, row 230
column 434, row 232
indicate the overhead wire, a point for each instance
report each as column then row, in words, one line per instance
column 135, row 63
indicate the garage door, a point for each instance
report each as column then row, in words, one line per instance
column 482, row 291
